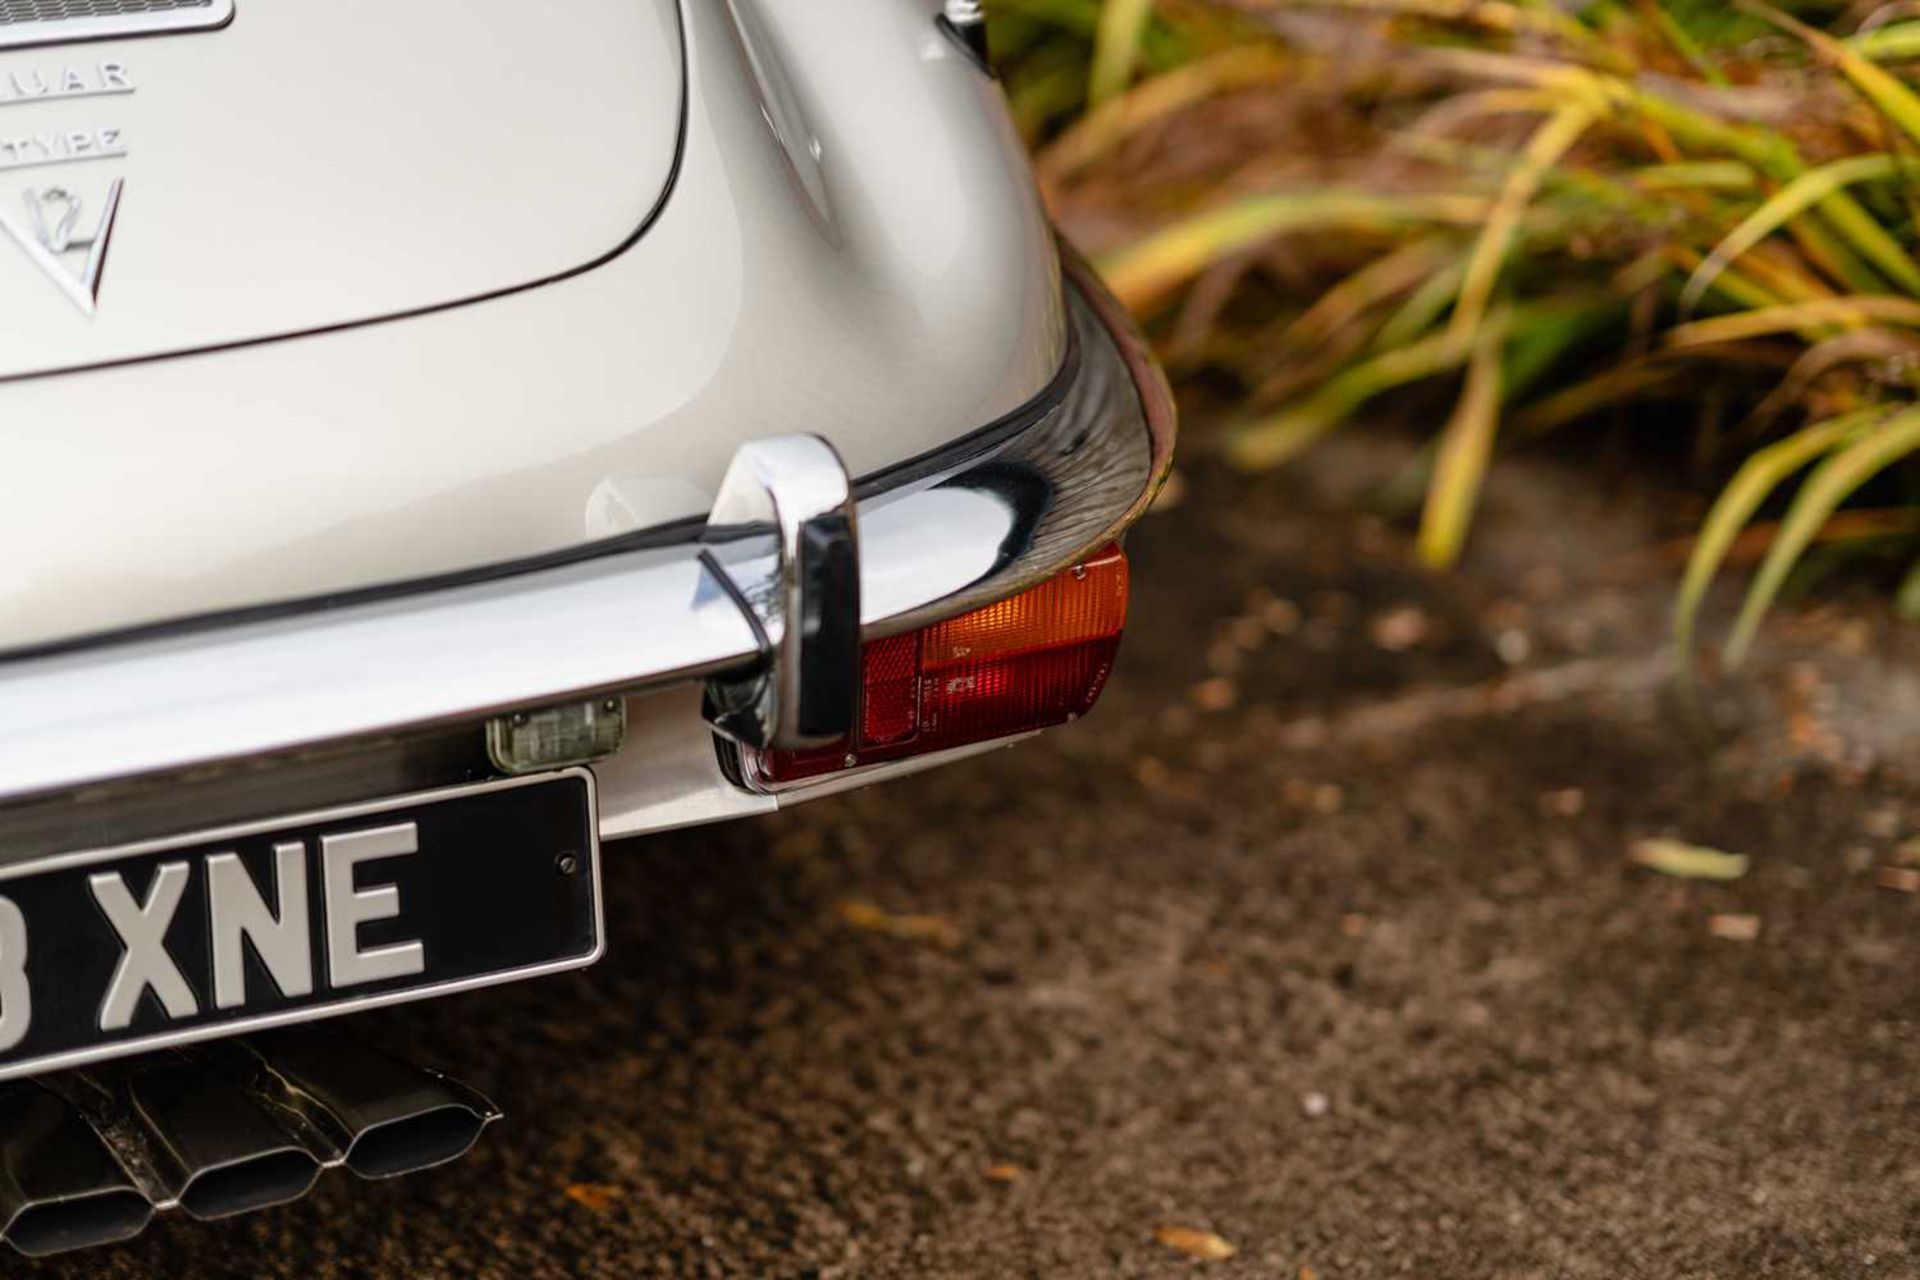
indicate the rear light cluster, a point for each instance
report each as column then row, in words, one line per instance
column 1029, row 662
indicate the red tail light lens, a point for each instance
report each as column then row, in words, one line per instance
column 1035, row 660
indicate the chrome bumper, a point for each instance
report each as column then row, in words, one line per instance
column 1004, row 509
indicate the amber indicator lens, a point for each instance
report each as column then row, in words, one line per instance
column 1035, row 660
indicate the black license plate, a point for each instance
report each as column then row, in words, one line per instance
column 122, row 950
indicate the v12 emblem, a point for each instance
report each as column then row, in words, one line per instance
column 51, row 234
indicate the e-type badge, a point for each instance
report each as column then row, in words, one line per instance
column 49, row 238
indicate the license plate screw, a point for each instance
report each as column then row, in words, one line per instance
column 567, row 863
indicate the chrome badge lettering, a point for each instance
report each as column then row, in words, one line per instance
column 51, row 233
column 29, row 150
column 69, row 80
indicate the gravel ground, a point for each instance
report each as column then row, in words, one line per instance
column 1320, row 942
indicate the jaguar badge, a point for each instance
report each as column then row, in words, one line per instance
column 52, row 236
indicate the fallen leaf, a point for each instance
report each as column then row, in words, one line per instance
column 1513, row 646
column 597, row 1197
column 1734, row 928
column 1225, row 658
column 1688, row 861
column 1194, row 1242
column 1900, row 879
column 1214, row 695
column 1151, row 773
column 1003, row 1173
column 1565, row 802
column 1247, row 633
column 1400, row 629
column 938, row 930
column 1883, row 823
column 1282, row 617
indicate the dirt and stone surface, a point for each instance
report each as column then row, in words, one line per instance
column 1320, row 943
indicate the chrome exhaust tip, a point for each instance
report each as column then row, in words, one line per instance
column 88, row 1157
column 386, row 1117
column 60, row 1187
column 219, row 1151
column 416, row 1142
column 256, row 1182
column 106, row 1217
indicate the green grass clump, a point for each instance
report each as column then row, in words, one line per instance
column 1543, row 211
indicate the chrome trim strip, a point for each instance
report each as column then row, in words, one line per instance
column 336, row 1008
column 906, row 474
column 199, row 17
column 941, row 545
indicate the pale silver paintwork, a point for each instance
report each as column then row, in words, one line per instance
column 851, row 248
column 292, row 171
column 376, row 314
column 646, row 618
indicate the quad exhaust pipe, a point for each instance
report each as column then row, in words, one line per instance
column 88, row 1157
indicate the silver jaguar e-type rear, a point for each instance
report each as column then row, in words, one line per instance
column 439, row 438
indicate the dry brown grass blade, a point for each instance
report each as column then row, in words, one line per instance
column 1879, row 86
column 1798, row 196
column 1142, row 274
column 1116, row 47
column 1277, row 439
column 1812, row 319
column 1694, row 175
column 1784, row 273
column 1342, row 306
column 1466, row 447
column 1861, row 345
column 1487, row 15
column 1733, row 283
column 1545, row 149
column 1751, row 544
column 1451, row 114
column 1589, row 395
column 1832, row 482
column 1762, row 473
column 1575, row 82
column 1094, row 136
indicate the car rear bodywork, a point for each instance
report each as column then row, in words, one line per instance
column 441, row 288
column 683, row 404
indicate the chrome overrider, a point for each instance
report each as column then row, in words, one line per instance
column 791, row 539
column 805, row 608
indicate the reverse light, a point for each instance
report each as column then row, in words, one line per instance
column 1029, row 662
column 556, row 737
